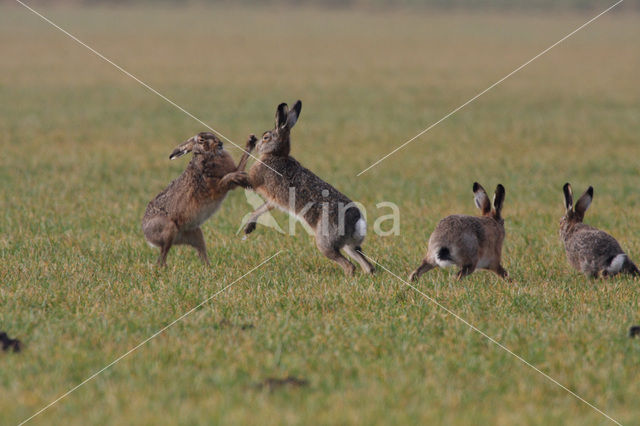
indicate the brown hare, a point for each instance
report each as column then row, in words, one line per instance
column 175, row 215
column 467, row 241
column 334, row 219
column 591, row 251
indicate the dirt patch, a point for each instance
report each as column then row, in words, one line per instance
column 225, row 323
column 274, row 383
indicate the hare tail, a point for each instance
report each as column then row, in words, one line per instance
column 444, row 258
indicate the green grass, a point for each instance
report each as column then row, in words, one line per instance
column 84, row 148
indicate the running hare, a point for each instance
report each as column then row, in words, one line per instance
column 590, row 250
column 467, row 241
column 175, row 215
column 334, row 219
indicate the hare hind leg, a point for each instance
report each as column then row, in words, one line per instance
column 335, row 255
column 465, row 270
column 425, row 266
column 356, row 254
column 164, row 251
column 195, row 239
column 160, row 231
column 500, row 271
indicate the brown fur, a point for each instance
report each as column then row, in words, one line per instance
column 274, row 149
column 174, row 216
column 590, row 250
column 467, row 241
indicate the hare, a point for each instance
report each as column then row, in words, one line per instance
column 333, row 218
column 591, row 251
column 467, row 241
column 175, row 215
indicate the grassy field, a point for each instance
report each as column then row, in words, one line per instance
column 84, row 148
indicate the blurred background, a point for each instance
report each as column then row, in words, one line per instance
column 540, row 5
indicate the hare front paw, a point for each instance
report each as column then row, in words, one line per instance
column 251, row 226
column 240, row 179
column 251, row 143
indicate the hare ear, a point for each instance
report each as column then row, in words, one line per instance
column 281, row 115
column 481, row 198
column 568, row 196
column 584, row 202
column 294, row 113
column 183, row 148
column 498, row 199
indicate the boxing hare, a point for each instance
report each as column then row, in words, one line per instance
column 590, row 250
column 284, row 183
column 467, row 241
column 175, row 215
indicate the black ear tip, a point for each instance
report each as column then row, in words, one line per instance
column 176, row 153
column 590, row 191
column 476, row 186
column 500, row 188
column 566, row 186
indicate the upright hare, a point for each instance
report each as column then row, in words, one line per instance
column 175, row 215
column 467, row 241
column 590, row 250
column 335, row 220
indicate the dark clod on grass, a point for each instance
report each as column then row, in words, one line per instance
column 225, row 323
column 273, row 383
column 8, row 343
column 634, row 331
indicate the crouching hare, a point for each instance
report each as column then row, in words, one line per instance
column 467, row 241
column 590, row 250
column 175, row 215
column 335, row 220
